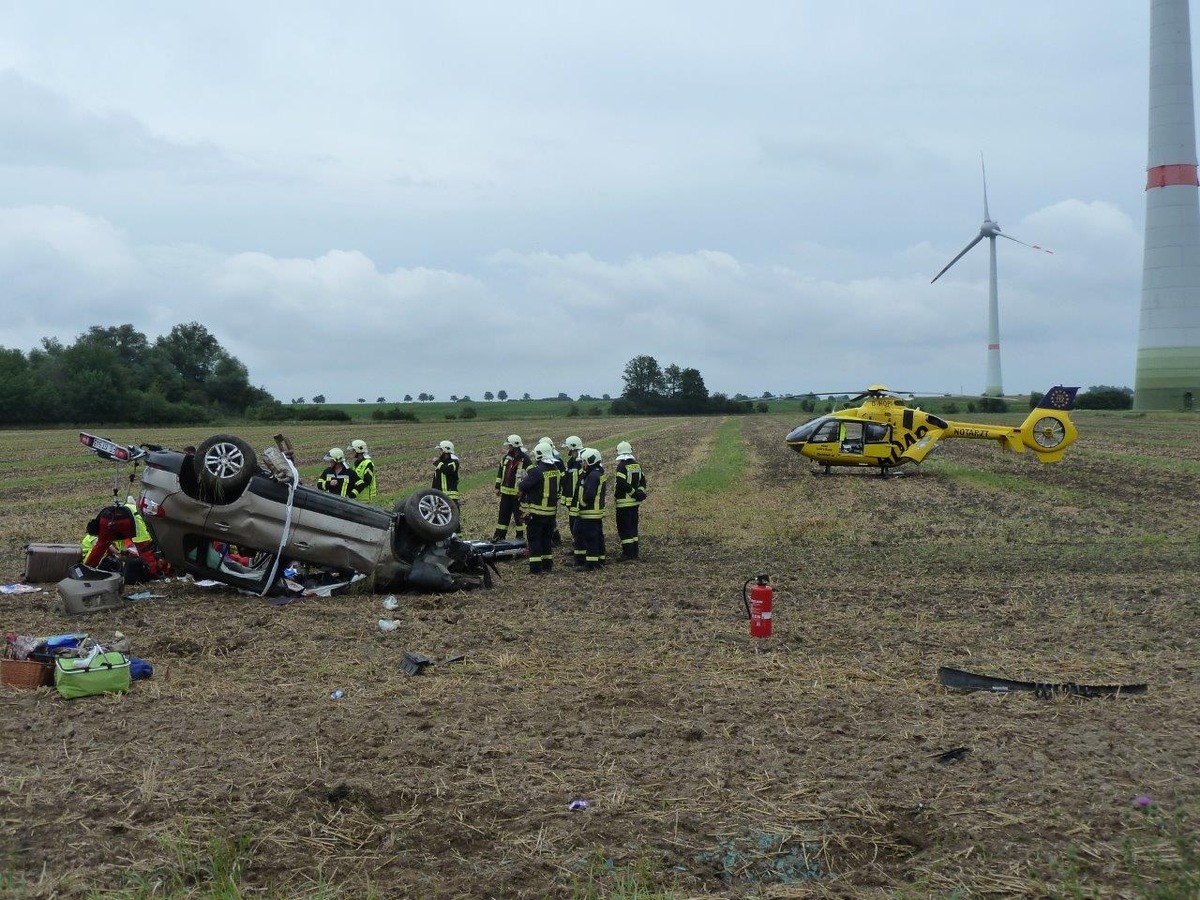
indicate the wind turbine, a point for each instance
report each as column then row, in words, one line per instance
column 990, row 230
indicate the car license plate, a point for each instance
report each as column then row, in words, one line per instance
column 103, row 445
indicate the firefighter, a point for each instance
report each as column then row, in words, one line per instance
column 338, row 478
column 514, row 461
column 364, row 471
column 628, row 494
column 445, row 471
column 539, row 502
column 555, row 534
column 570, row 476
column 590, row 489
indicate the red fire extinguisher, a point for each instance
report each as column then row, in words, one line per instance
column 759, row 605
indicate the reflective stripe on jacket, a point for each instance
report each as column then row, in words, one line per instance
column 539, row 489
column 365, row 473
column 589, row 494
column 629, row 481
column 506, row 472
column 445, row 475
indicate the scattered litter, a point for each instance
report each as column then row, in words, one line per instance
column 18, row 589
column 388, row 625
column 413, row 663
column 952, row 755
column 337, row 695
column 144, row 595
column 391, row 602
column 208, row 582
column 968, row 681
column 577, row 805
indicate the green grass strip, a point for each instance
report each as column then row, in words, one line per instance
column 726, row 463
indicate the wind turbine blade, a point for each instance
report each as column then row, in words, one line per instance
column 1023, row 244
column 986, row 215
column 962, row 253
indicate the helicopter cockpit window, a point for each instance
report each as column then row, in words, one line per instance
column 876, row 432
column 827, row 433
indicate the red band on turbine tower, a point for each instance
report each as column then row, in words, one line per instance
column 1165, row 176
column 993, row 346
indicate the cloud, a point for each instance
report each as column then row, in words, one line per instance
column 44, row 129
column 540, row 322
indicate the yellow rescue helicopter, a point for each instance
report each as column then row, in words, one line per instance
column 884, row 432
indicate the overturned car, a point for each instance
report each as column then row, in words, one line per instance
column 224, row 493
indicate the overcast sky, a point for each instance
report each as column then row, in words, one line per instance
column 375, row 199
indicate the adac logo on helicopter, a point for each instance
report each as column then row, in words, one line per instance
column 884, row 432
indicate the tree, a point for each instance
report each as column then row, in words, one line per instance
column 193, row 353
column 501, row 395
column 454, row 398
column 525, row 396
column 489, row 396
column 1105, row 396
column 380, row 400
column 692, row 392
column 643, row 378
column 672, row 377
column 361, row 400
column 422, row 396
column 563, row 396
column 319, row 398
column 408, row 398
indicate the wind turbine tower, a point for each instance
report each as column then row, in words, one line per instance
column 1168, row 356
column 991, row 231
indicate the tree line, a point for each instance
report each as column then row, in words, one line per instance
column 116, row 374
column 653, row 390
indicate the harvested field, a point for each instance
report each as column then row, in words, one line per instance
column 803, row 765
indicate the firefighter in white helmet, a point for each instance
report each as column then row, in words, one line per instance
column 338, row 478
column 364, row 470
column 628, row 494
column 590, row 489
column 445, row 471
column 570, row 477
column 514, row 461
column 539, row 502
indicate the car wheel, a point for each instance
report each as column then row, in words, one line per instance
column 430, row 514
column 224, row 464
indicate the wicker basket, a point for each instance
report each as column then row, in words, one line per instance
column 25, row 673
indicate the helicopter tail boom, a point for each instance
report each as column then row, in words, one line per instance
column 1048, row 430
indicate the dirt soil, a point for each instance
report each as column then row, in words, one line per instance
column 805, row 764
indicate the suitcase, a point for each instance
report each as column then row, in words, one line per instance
column 49, row 562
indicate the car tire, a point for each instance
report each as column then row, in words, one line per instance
column 224, row 465
column 430, row 514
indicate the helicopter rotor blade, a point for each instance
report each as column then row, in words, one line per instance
column 961, row 254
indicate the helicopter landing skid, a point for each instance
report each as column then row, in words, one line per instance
column 884, row 472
